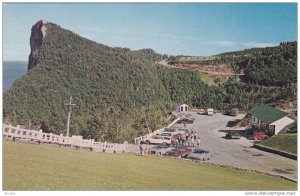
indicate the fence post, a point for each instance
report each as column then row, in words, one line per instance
column 40, row 136
column 125, row 143
column 50, row 138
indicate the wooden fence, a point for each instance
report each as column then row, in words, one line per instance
column 11, row 132
column 137, row 140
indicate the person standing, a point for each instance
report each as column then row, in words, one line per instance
column 176, row 141
column 179, row 138
column 192, row 142
column 198, row 141
column 187, row 137
column 183, row 138
column 141, row 149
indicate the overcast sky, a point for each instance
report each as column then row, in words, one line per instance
column 177, row 28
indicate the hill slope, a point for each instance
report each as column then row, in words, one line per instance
column 119, row 93
column 270, row 66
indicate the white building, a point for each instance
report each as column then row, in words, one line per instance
column 182, row 108
column 270, row 119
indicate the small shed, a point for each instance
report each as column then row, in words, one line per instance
column 182, row 108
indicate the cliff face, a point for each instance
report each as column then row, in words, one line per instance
column 38, row 34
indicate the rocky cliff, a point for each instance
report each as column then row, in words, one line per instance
column 38, row 34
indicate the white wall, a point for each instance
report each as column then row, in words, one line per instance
column 183, row 108
column 281, row 123
column 255, row 121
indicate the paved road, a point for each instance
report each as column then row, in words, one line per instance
column 238, row 153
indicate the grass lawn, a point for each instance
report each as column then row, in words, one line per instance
column 285, row 142
column 49, row 167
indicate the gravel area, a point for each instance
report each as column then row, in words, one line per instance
column 237, row 153
column 234, row 153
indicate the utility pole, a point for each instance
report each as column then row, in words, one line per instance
column 70, row 104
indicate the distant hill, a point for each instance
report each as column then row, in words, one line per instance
column 119, row 93
column 270, row 66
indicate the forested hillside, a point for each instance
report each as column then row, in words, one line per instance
column 119, row 93
column 270, row 66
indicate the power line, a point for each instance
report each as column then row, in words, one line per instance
column 70, row 104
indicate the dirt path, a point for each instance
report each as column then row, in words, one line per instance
column 216, row 70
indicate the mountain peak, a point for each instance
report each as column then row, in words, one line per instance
column 38, row 34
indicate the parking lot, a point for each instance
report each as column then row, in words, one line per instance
column 237, row 153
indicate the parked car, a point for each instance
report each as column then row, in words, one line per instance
column 179, row 151
column 187, row 120
column 209, row 111
column 174, row 131
column 182, row 130
column 259, row 136
column 156, row 139
column 200, row 154
column 234, row 112
column 165, row 134
column 233, row 135
column 169, row 130
column 160, row 149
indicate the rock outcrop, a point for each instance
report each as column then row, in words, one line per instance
column 38, row 34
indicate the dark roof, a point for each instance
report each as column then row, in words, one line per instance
column 292, row 126
column 267, row 113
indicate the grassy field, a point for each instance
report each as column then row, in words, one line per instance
column 285, row 142
column 49, row 167
column 213, row 79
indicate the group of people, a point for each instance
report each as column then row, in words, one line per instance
column 188, row 139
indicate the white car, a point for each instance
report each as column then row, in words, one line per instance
column 181, row 130
column 160, row 149
column 175, row 131
column 171, row 131
column 200, row 154
column 157, row 139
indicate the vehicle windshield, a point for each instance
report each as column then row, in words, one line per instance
column 166, row 134
column 180, row 148
column 169, row 130
column 199, row 151
column 186, row 130
column 161, row 146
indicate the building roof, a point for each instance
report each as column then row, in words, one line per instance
column 180, row 104
column 267, row 113
column 292, row 126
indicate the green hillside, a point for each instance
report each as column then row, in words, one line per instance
column 48, row 167
column 119, row 93
column 285, row 142
column 270, row 66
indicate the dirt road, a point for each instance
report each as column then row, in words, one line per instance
column 216, row 70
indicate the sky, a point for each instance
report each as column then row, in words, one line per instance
column 200, row 29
